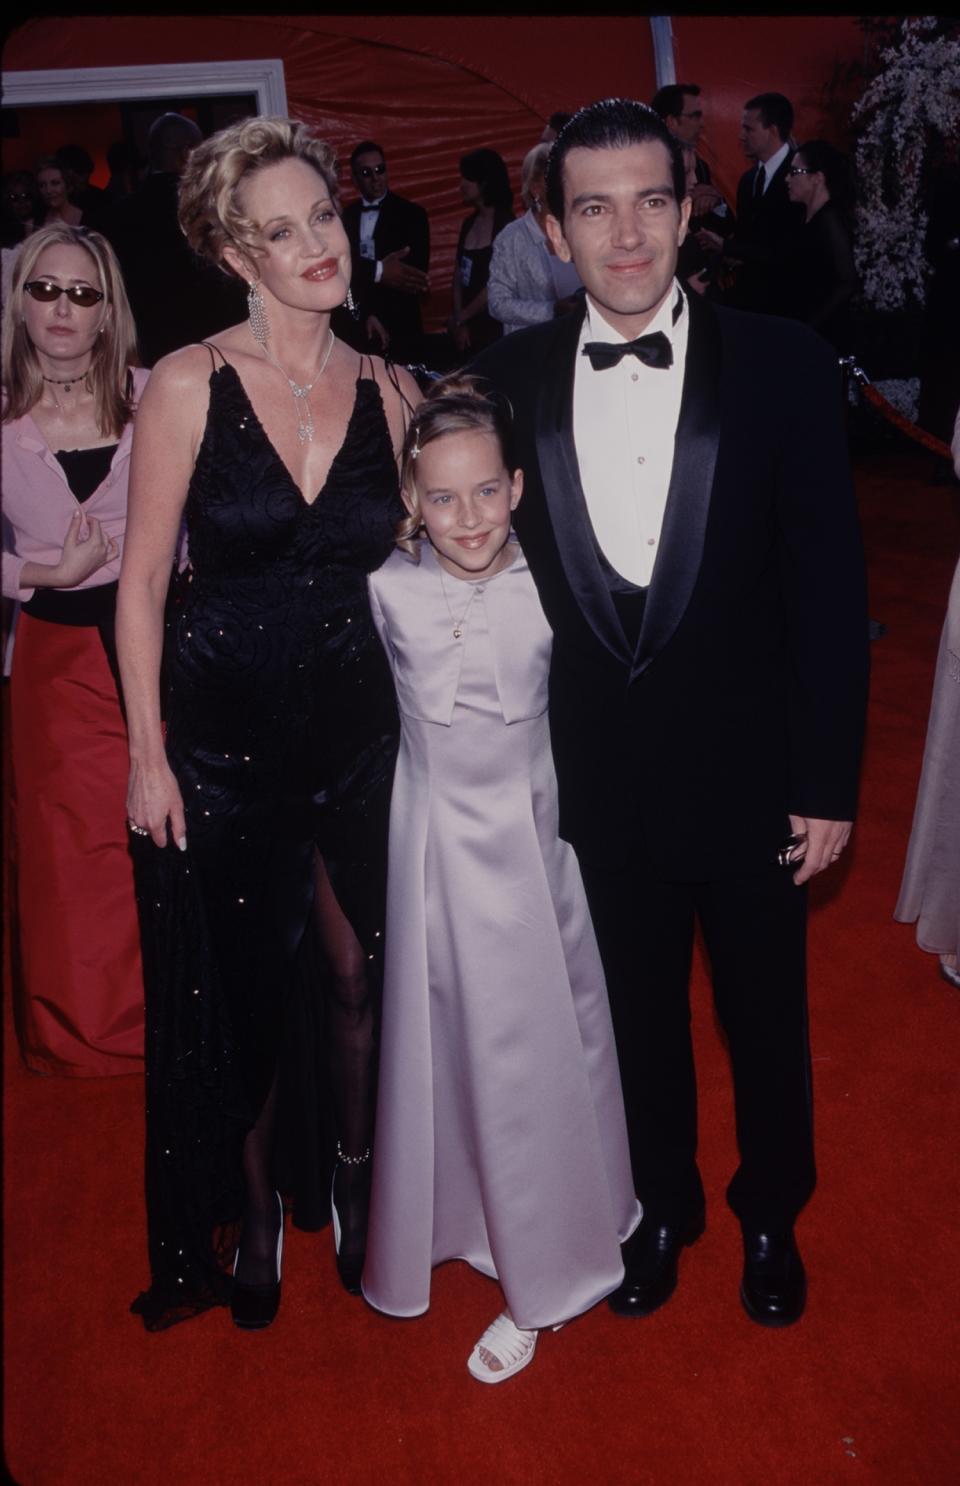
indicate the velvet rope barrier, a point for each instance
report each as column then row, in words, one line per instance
column 888, row 411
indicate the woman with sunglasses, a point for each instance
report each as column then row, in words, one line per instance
column 69, row 394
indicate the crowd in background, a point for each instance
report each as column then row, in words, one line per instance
column 783, row 246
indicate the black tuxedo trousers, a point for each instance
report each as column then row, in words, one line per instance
column 754, row 933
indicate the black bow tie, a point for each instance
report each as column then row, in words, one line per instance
column 652, row 350
column 371, row 206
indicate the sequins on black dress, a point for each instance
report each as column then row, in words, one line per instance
column 281, row 731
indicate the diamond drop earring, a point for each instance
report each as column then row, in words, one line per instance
column 257, row 311
column 352, row 305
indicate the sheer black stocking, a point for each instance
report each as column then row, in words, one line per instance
column 261, row 1214
column 350, row 1040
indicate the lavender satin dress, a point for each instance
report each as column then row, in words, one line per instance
column 500, row 1134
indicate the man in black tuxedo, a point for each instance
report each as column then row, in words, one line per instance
column 390, row 244
column 689, row 521
column 767, row 220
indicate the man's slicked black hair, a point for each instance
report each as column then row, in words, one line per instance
column 776, row 112
column 611, row 124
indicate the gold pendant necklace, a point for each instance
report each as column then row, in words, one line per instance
column 457, row 623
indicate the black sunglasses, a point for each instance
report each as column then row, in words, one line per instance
column 82, row 294
column 368, row 170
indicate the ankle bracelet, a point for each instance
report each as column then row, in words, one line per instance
column 352, row 1160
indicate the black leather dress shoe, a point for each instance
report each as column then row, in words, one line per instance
column 651, row 1257
column 774, row 1288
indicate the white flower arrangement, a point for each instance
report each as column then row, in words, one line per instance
column 916, row 94
column 902, row 393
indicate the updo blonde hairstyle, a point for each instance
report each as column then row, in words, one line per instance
column 210, row 215
column 456, row 404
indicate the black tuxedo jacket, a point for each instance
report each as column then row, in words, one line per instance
column 744, row 697
column 400, row 224
column 763, row 240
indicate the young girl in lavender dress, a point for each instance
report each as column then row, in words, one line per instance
column 500, row 1134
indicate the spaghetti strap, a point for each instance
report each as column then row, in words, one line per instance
column 211, row 348
column 406, row 406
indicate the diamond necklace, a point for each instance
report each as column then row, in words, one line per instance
column 305, row 428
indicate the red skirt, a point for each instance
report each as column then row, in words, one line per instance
column 78, row 987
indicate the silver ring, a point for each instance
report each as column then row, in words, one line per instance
column 137, row 830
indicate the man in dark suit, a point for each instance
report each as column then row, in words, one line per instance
column 767, row 220
column 390, row 244
column 681, row 107
column 689, row 521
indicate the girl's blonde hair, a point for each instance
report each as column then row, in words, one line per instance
column 456, row 404
column 114, row 350
column 210, row 215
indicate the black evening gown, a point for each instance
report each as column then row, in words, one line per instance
column 282, row 732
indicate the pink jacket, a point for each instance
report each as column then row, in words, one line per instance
column 38, row 502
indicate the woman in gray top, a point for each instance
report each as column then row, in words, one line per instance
column 528, row 283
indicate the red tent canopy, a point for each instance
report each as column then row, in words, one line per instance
column 429, row 88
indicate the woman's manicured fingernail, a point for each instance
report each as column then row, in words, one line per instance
column 182, row 843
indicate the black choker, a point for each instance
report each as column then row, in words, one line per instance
column 66, row 381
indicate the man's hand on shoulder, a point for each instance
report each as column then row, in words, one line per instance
column 826, row 840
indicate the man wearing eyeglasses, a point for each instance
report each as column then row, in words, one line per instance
column 390, row 244
column 680, row 106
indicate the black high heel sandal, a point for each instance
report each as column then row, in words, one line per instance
column 350, row 1228
column 253, row 1307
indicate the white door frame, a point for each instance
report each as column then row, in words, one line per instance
column 263, row 77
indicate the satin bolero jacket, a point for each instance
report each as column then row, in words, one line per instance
column 412, row 612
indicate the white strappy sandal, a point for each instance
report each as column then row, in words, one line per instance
column 512, row 1348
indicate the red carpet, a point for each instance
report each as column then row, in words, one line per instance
column 864, row 1389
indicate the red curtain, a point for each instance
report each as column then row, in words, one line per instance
column 735, row 57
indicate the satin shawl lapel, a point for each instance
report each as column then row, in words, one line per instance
column 563, row 492
column 688, row 499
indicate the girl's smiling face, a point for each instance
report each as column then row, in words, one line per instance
column 465, row 497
